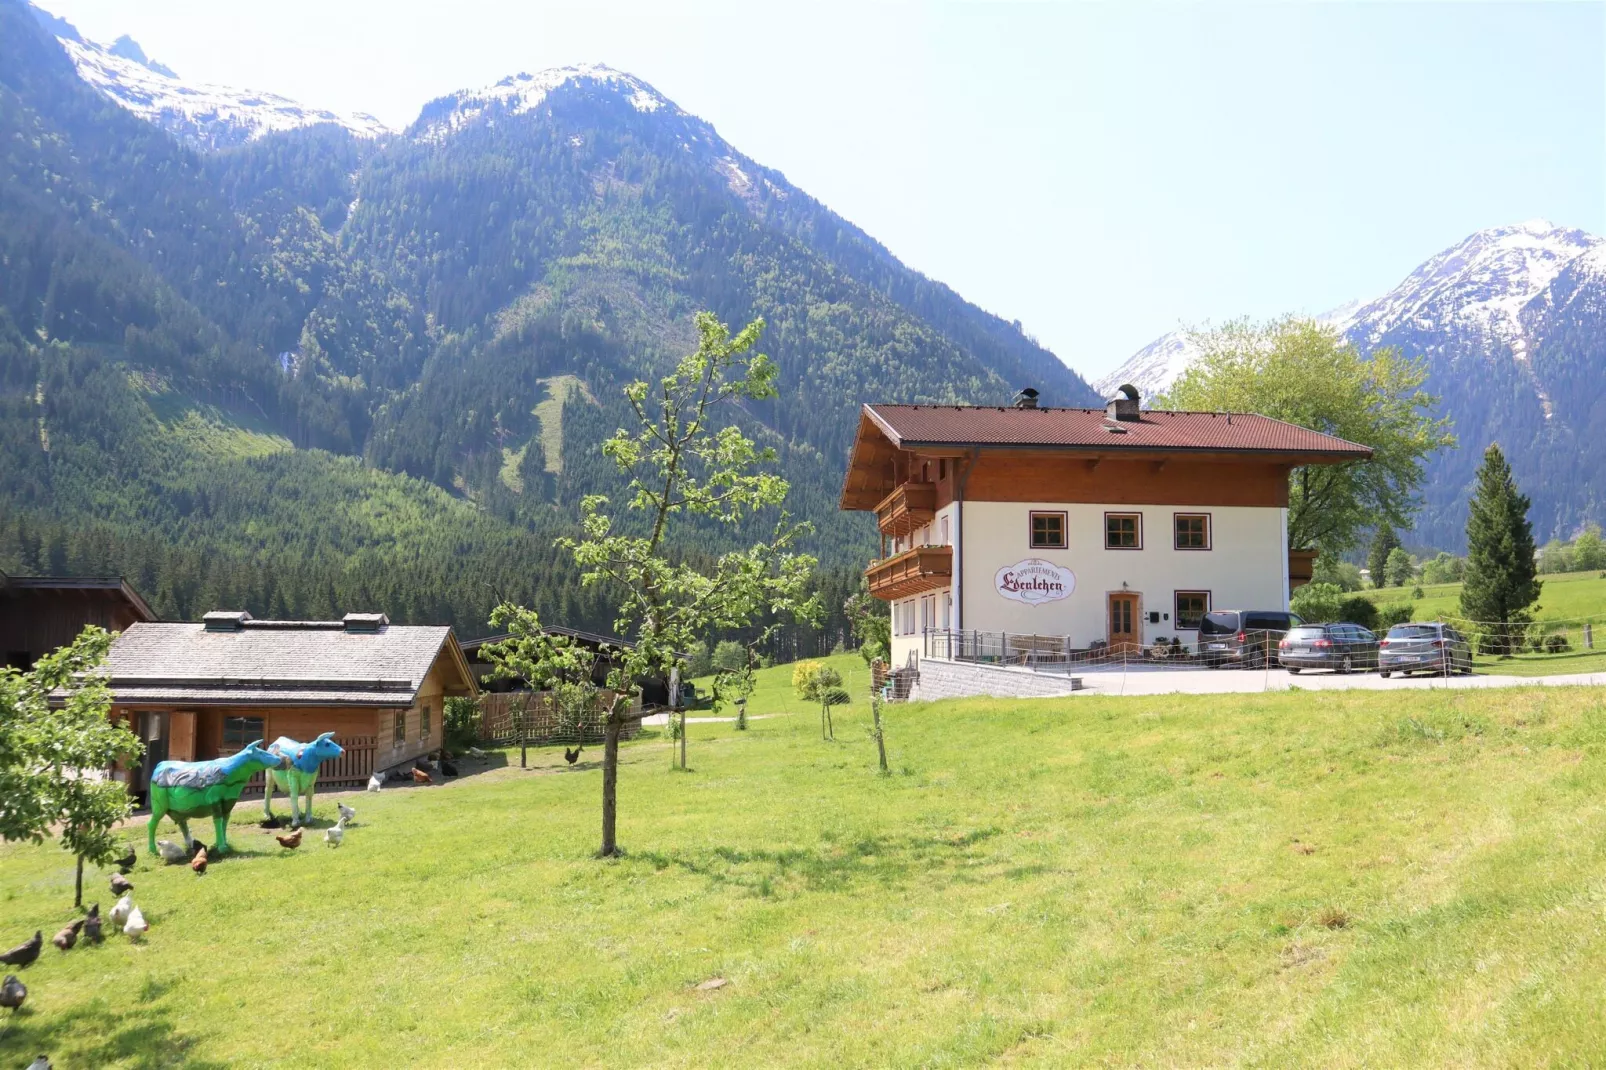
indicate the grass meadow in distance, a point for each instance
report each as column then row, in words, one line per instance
column 1316, row 879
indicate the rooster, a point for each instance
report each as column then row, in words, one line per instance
column 121, row 885
column 421, row 776
column 571, row 756
column 290, row 842
column 92, row 925
column 68, row 936
column 24, row 954
column 198, row 863
column 126, row 863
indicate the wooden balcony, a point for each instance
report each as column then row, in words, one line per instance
column 911, row 506
column 924, row 568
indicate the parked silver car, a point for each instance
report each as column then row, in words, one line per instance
column 1431, row 647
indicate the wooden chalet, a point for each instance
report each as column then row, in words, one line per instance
column 199, row 691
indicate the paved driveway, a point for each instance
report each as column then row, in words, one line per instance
column 1154, row 680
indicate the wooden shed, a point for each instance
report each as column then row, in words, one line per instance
column 198, row 691
column 39, row 614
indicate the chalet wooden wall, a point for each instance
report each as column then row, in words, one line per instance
column 1021, row 475
column 38, row 622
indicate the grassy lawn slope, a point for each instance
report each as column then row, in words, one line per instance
column 1328, row 879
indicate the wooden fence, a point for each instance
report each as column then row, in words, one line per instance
column 351, row 770
column 500, row 711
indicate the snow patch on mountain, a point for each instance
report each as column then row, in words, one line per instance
column 210, row 116
column 1480, row 284
column 524, row 92
column 1153, row 368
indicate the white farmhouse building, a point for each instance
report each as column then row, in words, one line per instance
column 1112, row 526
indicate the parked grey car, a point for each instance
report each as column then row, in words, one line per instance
column 1432, row 647
column 1339, row 647
column 1246, row 637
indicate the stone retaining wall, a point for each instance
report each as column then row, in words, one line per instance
column 963, row 679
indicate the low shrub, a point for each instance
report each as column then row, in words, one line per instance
column 1398, row 613
column 1556, row 644
column 1358, row 610
column 460, row 723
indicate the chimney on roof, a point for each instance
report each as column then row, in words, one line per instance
column 225, row 621
column 367, row 623
column 1026, row 399
column 1124, row 406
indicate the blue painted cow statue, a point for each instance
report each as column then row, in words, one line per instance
column 297, row 773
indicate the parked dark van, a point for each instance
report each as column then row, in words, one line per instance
column 1246, row 637
column 1428, row 647
column 1339, row 647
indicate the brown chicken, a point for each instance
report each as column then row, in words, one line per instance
column 421, row 777
column 198, row 863
column 290, row 842
column 121, row 885
column 67, row 937
column 24, row 954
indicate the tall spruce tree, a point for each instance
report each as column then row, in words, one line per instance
column 1501, row 572
column 1384, row 543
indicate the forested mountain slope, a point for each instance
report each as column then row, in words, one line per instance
column 236, row 351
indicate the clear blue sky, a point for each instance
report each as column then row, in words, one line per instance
column 1101, row 173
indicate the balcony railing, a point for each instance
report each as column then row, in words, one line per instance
column 910, row 507
column 924, row 568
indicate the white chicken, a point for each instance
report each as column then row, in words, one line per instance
column 40, row 1063
column 121, row 909
column 333, row 836
column 136, row 925
column 475, row 753
column 172, row 853
column 346, row 812
column 375, row 782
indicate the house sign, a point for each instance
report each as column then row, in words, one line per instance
column 1035, row 581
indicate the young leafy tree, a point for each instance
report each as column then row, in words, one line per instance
column 52, row 757
column 1384, row 542
column 1501, row 580
column 1297, row 370
column 871, row 624
column 536, row 658
column 1589, row 552
column 1399, row 569
column 686, row 465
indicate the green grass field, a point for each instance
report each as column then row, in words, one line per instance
column 1308, row 879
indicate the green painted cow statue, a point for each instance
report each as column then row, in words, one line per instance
column 182, row 790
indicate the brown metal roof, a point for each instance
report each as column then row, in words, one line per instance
column 915, row 426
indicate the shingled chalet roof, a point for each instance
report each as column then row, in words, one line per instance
column 234, row 660
column 913, row 426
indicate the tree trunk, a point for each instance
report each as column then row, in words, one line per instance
column 610, row 782
column 683, row 739
column 880, row 741
column 78, row 888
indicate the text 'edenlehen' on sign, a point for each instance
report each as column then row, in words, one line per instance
column 1034, row 580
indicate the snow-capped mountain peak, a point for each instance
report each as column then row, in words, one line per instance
column 524, row 92
column 1480, row 284
column 209, row 116
column 1477, row 288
